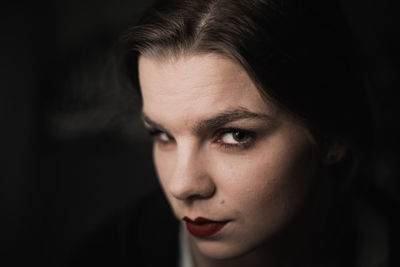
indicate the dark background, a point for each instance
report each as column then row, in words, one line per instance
column 72, row 155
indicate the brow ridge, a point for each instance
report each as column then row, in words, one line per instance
column 226, row 117
column 216, row 121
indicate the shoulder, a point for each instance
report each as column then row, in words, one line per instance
column 141, row 235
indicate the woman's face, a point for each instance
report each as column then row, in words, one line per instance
column 223, row 152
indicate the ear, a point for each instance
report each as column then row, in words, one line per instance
column 336, row 151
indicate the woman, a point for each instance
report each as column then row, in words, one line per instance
column 260, row 129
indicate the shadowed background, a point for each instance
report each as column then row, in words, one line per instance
column 73, row 151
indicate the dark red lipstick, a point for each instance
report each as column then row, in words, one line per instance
column 202, row 227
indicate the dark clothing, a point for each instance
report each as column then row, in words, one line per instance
column 146, row 235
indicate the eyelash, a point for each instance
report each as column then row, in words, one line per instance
column 156, row 133
column 218, row 135
column 250, row 138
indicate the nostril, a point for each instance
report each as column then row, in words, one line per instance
column 199, row 196
column 193, row 188
column 207, row 193
column 193, row 198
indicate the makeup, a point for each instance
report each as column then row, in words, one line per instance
column 202, row 227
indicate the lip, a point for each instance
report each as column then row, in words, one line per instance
column 203, row 227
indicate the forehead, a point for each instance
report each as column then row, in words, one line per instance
column 197, row 85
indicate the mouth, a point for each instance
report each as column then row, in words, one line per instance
column 202, row 227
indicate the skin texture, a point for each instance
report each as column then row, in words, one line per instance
column 259, row 182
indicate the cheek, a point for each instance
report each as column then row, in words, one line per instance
column 164, row 164
column 267, row 172
column 268, row 184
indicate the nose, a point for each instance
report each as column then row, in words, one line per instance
column 190, row 179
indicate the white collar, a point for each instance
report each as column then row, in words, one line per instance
column 185, row 255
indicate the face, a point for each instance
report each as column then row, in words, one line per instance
column 223, row 152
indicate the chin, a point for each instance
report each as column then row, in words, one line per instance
column 219, row 250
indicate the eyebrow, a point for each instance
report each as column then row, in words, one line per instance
column 216, row 121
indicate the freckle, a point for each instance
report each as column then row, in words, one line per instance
column 222, row 202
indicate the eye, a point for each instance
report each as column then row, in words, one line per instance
column 235, row 138
column 160, row 136
column 164, row 137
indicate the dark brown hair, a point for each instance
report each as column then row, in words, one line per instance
column 300, row 54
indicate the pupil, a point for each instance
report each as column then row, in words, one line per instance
column 239, row 136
